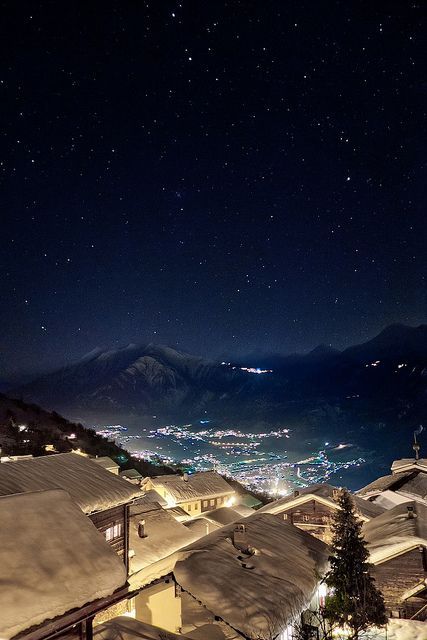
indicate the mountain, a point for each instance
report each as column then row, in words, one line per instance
column 27, row 429
column 394, row 342
column 381, row 381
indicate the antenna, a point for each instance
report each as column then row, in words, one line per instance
column 416, row 446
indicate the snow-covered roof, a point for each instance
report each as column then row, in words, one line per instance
column 226, row 515
column 127, row 628
column 164, row 534
column 324, row 493
column 277, row 583
column 153, row 496
column 198, row 485
column 106, row 462
column 200, row 527
column 411, row 484
column 91, row 487
column 52, row 560
column 409, row 464
column 248, row 500
column 396, row 531
column 132, row 474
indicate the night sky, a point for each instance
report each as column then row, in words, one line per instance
column 222, row 177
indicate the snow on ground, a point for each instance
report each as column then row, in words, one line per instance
column 52, row 560
column 402, row 630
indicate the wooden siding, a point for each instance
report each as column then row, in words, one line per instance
column 220, row 501
column 398, row 575
column 312, row 516
column 103, row 520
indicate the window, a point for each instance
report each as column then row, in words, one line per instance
column 113, row 532
column 219, row 500
column 285, row 516
column 212, row 503
column 306, row 518
column 205, row 503
column 189, row 507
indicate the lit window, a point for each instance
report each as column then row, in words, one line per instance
column 212, row 503
column 285, row 516
column 113, row 532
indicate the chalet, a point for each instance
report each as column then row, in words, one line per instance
column 154, row 534
column 311, row 509
column 131, row 475
column 252, row 578
column 407, row 481
column 101, row 495
column 58, row 570
column 397, row 542
column 195, row 493
column 108, row 464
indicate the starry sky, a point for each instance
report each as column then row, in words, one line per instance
column 220, row 176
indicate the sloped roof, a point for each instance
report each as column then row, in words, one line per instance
column 393, row 532
column 199, row 485
column 52, row 559
column 106, row 462
column 226, row 515
column 409, row 464
column 164, row 534
column 410, row 484
column 153, row 496
column 200, row 527
column 325, row 492
column 383, row 483
column 127, row 628
column 91, row 487
column 248, row 500
column 132, row 474
column 277, row 583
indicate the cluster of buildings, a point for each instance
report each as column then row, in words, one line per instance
column 91, row 553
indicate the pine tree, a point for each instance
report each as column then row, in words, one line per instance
column 355, row 601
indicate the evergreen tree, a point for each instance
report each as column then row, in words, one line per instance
column 355, row 601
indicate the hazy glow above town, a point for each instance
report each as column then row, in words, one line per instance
column 260, row 461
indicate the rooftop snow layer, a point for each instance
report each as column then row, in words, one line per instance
column 164, row 534
column 199, row 485
column 395, row 532
column 106, row 462
column 276, row 584
column 412, row 484
column 130, row 629
column 325, row 492
column 52, row 560
column 91, row 487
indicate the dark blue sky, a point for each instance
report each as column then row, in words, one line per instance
column 218, row 176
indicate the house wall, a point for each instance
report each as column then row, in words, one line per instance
column 209, row 504
column 192, row 508
column 397, row 576
column 122, row 608
column 160, row 605
column 104, row 520
column 312, row 516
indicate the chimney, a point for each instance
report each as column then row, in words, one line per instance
column 240, row 539
column 185, row 477
column 141, row 529
column 410, row 511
